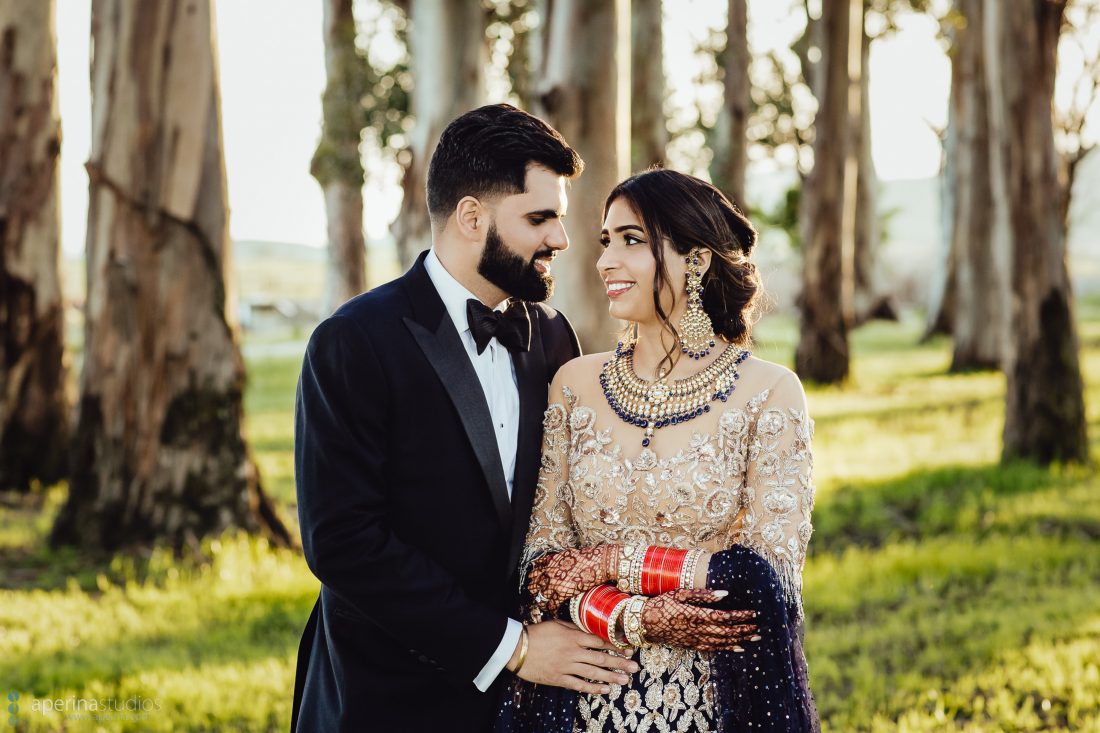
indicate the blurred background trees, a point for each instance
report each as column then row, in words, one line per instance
column 160, row 345
column 337, row 164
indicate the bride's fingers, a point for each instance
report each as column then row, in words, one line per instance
column 696, row 615
column 698, row 596
column 722, row 641
column 725, row 618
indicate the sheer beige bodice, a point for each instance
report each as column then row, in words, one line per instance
column 739, row 474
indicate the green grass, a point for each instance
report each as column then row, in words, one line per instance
column 944, row 590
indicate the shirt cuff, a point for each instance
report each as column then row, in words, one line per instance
column 500, row 657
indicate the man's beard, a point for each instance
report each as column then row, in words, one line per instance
column 511, row 273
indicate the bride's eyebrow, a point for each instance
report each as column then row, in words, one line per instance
column 624, row 227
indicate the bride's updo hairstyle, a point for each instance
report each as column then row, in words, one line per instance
column 689, row 212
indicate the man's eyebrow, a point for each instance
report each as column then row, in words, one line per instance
column 545, row 213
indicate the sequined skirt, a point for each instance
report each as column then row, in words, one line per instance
column 671, row 692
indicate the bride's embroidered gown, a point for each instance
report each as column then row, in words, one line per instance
column 736, row 479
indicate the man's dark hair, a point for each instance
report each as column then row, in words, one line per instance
column 485, row 154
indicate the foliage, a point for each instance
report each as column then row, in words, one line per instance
column 944, row 591
column 513, row 30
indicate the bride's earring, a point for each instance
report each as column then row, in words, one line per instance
column 696, row 328
column 629, row 341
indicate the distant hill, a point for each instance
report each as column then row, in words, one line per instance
column 248, row 249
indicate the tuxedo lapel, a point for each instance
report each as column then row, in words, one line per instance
column 437, row 337
column 531, row 379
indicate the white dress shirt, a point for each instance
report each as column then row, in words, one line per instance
column 497, row 376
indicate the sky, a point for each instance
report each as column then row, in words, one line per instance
column 271, row 55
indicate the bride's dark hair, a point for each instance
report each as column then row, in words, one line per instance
column 689, row 212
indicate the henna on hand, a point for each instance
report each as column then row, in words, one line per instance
column 680, row 618
column 557, row 577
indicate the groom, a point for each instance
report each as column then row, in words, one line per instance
column 417, row 442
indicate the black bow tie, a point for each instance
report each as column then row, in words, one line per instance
column 511, row 328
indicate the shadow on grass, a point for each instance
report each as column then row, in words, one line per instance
column 237, row 630
column 974, row 500
column 882, row 660
column 27, row 562
column 895, row 413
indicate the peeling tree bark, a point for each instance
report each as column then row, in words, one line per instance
column 159, row 451
column 337, row 164
column 822, row 354
column 1044, row 405
column 731, row 139
column 33, row 408
column 648, row 129
column 584, row 95
column 449, row 56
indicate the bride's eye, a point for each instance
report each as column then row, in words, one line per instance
column 631, row 239
column 604, row 242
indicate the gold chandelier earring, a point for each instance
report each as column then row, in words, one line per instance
column 696, row 328
column 629, row 339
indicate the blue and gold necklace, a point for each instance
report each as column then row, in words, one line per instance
column 657, row 404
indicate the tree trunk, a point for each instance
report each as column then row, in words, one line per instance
column 1044, row 406
column 868, row 300
column 449, row 56
column 159, row 451
column 648, row 129
column 730, row 144
column 584, row 95
column 822, row 354
column 33, row 409
column 940, row 319
column 981, row 281
column 337, row 164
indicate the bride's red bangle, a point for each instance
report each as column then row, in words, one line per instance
column 661, row 570
column 596, row 609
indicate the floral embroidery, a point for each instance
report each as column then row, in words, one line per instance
column 750, row 483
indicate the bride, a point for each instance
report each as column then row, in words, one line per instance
column 672, row 512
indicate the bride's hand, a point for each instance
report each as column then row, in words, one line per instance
column 681, row 619
column 557, row 577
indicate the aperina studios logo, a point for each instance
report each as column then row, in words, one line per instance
column 100, row 709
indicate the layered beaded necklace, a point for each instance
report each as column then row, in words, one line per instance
column 657, row 404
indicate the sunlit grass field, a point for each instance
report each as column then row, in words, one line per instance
column 944, row 592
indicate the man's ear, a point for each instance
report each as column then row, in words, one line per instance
column 471, row 218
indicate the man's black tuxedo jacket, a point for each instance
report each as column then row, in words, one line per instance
column 405, row 514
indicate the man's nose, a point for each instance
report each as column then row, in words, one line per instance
column 558, row 239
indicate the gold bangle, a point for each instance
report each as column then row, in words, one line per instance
column 523, row 642
column 612, row 622
column 691, row 563
column 626, row 558
column 632, row 622
column 636, row 569
column 575, row 610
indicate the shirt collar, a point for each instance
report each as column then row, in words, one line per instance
column 453, row 293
